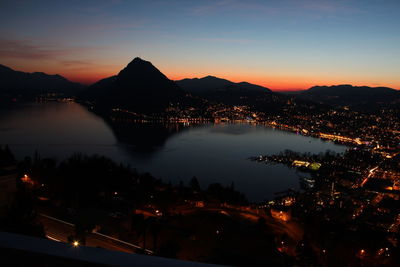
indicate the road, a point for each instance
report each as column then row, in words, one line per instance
column 370, row 173
column 58, row 230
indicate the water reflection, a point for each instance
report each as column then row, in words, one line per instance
column 146, row 138
column 232, row 129
column 212, row 153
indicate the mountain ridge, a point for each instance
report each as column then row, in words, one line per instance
column 210, row 83
column 15, row 83
column 349, row 95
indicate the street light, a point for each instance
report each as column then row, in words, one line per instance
column 75, row 243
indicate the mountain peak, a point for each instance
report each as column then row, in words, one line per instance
column 140, row 86
column 138, row 63
column 210, row 77
column 139, row 68
column 212, row 83
column 138, row 60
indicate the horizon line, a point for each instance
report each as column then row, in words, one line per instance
column 89, row 83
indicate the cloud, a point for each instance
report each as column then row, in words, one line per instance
column 23, row 49
column 72, row 62
column 75, row 63
column 29, row 50
column 210, row 7
column 107, row 27
column 290, row 7
column 329, row 6
column 225, row 40
column 70, row 59
column 100, row 6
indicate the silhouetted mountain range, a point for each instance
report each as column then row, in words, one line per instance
column 356, row 96
column 27, row 85
column 139, row 87
column 143, row 88
column 227, row 92
column 211, row 83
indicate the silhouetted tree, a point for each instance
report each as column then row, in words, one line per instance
column 194, row 184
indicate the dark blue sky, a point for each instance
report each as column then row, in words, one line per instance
column 283, row 44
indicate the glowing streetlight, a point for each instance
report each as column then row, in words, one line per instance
column 75, row 243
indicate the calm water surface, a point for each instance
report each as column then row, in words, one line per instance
column 212, row 153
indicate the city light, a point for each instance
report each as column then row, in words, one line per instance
column 308, row 90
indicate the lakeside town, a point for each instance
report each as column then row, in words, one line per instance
column 346, row 211
column 377, row 130
column 194, row 133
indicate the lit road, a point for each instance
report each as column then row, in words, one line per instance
column 58, row 230
column 371, row 172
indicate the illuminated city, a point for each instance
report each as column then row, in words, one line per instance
column 135, row 154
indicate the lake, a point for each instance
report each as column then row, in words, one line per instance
column 211, row 152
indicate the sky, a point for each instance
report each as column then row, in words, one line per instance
column 280, row 44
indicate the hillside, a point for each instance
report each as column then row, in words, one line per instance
column 362, row 97
column 18, row 84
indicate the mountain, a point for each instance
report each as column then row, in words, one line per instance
column 227, row 92
column 361, row 97
column 138, row 87
column 28, row 85
column 211, row 83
